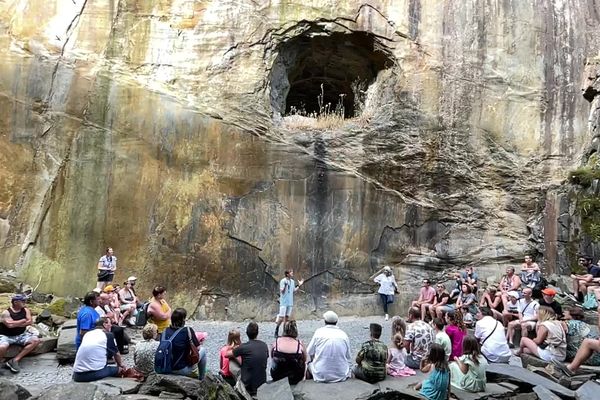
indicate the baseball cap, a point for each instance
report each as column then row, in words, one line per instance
column 549, row 292
column 132, row 278
column 19, row 297
column 330, row 317
column 109, row 288
column 513, row 293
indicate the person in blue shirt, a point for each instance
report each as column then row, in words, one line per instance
column 87, row 316
column 287, row 287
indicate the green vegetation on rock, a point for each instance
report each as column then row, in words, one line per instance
column 584, row 176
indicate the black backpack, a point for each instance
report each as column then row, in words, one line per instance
column 141, row 318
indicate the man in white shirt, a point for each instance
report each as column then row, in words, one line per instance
column 528, row 314
column 329, row 351
column 91, row 361
column 490, row 334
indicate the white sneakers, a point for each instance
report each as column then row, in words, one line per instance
column 387, row 317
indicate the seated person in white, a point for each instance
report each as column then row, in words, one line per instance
column 490, row 334
column 329, row 352
column 91, row 361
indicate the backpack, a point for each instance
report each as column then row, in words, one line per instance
column 590, row 302
column 141, row 318
column 163, row 359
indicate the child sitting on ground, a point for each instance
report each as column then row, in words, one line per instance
column 396, row 355
column 437, row 384
column 468, row 371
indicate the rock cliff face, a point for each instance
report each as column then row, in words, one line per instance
column 162, row 128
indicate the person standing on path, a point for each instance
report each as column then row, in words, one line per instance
column 287, row 287
column 107, row 265
column 387, row 288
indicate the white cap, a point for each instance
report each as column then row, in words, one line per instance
column 387, row 268
column 513, row 293
column 131, row 278
column 330, row 317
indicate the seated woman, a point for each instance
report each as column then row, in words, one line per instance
column 493, row 302
column 441, row 299
column 577, row 332
column 467, row 303
column 182, row 338
column 468, row 371
column 128, row 301
column 225, row 363
column 145, row 350
column 511, row 308
column 288, row 355
column 456, row 331
column 549, row 332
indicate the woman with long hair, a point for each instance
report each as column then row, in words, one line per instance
column 468, row 371
column 551, row 333
column 225, row 363
column 456, row 331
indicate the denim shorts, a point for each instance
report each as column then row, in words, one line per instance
column 21, row 339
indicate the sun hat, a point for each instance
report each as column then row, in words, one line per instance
column 131, row 278
column 387, row 268
column 330, row 317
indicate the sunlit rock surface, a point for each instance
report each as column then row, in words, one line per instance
column 155, row 127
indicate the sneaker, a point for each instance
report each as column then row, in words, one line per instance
column 13, row 366
column 387, row 317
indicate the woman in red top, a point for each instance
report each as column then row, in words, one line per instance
column 233, row 341
column 456, row 331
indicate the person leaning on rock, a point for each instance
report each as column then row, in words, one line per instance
column 13, row 330
column 387, row 287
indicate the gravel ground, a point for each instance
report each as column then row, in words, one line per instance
column 41, row 371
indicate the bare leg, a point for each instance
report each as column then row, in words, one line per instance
column 528, row 346
column 423, row 311
column 510, row 331
column 575, row 286
column 498, row 315
column 3, row 350
column 27, row 349
column 588, row 347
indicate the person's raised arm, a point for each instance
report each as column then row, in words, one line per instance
column 300, row 282
column 377, row 273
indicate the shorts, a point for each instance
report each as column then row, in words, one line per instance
column 448, row 308
column 546, row 355
column 20, row 340
column 285, row 311
column 104, row 277
column 529, row 324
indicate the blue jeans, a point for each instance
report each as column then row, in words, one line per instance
column 190, row 371
column 90, row 376
column 385, row 300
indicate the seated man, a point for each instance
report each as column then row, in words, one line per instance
column 97, row 346
column 329, row 352
column 371, row 358
column 13, row 330
column 490, row 334
column 548, row 300
column 103, row 309
column 527, row 316
column 254, row 354
column 530, row 273
column 426, row 296
column 509, row 282
column 590, row 278
column 511, row 309
column 418, row 339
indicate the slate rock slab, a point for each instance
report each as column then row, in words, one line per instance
column 47, row 344
column 212, row 387
column 78, row 391
column 517, row 374
column 347, row 390
column 588, row 391
column 123, row 385
column 276, row 390
column 65, row 347
column 11, row 391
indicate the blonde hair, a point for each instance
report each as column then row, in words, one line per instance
column 546, row 314
column 150, row 331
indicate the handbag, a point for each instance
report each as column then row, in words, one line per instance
column 103, row 273
column 193, row 356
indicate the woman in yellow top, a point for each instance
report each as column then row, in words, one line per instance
column 159, row 311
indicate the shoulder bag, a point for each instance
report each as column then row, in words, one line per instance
column 194, row 355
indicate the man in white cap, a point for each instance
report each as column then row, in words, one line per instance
column 387, row 288
column 329, row 352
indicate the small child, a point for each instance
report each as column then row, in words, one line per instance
column 396, row 355
column 437, row 384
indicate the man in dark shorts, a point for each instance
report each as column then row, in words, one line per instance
column 13, row 330
column 255, row 354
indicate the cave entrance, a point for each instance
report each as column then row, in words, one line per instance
column 326, row 73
